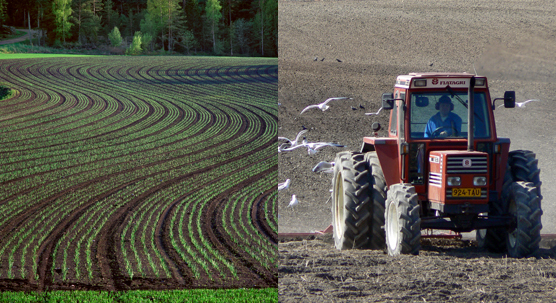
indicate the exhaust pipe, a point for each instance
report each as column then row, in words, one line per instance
column 470, row 114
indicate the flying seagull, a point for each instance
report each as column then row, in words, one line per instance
column 316, row 58
column 312, row 147
column 522, row 104
column 324, row 167
column 370, row 114
column 322, row 106
column 284, row 185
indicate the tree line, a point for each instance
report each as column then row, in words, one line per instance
column 220, row 27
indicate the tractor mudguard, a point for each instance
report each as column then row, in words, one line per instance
column 388, row 156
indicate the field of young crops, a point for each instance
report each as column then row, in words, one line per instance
column 138, row 173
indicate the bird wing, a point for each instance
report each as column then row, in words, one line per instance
column 335, row 98
column 308, row 107
column 292, row 147
column 299, row 136
column 368, row 114
column 284, row 138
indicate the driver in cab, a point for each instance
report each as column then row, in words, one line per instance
column 444, row 123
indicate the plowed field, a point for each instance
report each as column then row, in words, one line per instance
column 138, row 173
column 360, row 48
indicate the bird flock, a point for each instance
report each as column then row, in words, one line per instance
column 301, row 141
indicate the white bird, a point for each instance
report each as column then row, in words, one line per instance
column 522, row 104
column 369, row 114
column 284, row 185
column 294, row 142
column 324, row 167
column 293, row 202
column 312, row 147
column 323, row 106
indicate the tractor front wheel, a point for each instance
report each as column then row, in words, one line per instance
column 351, row 202
column 403, row 223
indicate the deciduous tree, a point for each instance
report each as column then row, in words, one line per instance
column 212, row 11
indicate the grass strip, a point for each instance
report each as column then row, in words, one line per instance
column 193, row 295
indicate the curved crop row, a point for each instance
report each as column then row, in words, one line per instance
column 117, row 173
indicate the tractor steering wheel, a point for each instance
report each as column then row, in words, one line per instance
column 437, row 131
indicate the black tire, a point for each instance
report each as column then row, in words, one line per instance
column 403, row 222
column 525, row 205
column 379, row 190
column 522, row 166
column 351, row 202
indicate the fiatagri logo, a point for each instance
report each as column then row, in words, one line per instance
column 435, row 81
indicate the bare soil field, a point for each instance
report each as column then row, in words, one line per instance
column 356, row 49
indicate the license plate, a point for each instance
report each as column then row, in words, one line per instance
column 466, row 192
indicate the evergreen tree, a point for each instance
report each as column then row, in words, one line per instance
column 3, row 17
column 111, row 17
column 115, row 37
column 62, row 10
column 193, row 16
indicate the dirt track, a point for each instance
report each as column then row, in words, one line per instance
column 510, row 42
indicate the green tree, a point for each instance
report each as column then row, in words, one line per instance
column 135, row 47
column 111, row 17
column 62, row 11
column 87, row 18
column 188, row 40
column 212, row 11
column 149, row 29
column 115, row 37
column 270, row 35
column 193, row 16
column 3, row 16
column 146, row 41
column 242, row 29
column 164, row 16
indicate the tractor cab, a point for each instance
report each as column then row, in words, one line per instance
column 431, row 126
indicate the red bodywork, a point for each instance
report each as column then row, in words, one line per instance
column 394, row 156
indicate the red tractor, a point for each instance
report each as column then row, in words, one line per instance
column 442, row 167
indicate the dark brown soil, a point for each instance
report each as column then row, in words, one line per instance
column 444, row 271
column 510, row 42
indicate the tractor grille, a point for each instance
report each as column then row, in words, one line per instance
column 467, row 165
column 435, row 179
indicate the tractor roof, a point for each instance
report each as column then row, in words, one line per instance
column 439, row 80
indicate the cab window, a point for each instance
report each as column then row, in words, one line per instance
column 428, row 120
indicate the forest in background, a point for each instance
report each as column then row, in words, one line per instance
column 215, row 27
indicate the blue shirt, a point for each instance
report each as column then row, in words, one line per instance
column 452, row 121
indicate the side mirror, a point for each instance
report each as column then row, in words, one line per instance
column 509, row 99
column 387, row 101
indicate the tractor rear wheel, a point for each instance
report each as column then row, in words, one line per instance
column 525, row 205
column 522, row 166
column 351, row 202
column 379, row 189
column 403, row 222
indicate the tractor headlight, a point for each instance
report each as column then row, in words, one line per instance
column 480, row 181
column 453, row 181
